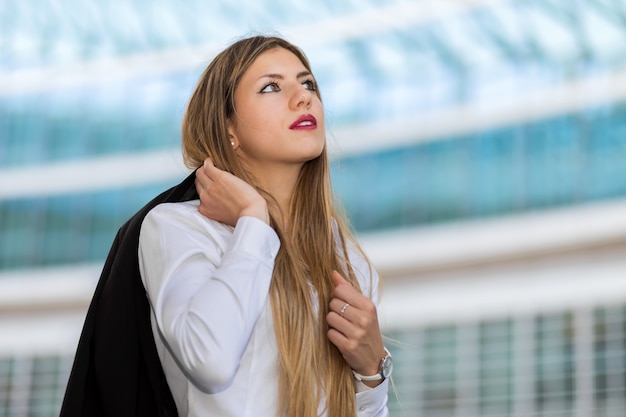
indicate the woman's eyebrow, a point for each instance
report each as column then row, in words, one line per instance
column 301, row 74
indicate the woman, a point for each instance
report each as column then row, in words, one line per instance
column 262, row 303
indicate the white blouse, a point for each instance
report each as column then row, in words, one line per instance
column 208, row 287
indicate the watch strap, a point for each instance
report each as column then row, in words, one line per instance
column 376, row 377
column 360, row 377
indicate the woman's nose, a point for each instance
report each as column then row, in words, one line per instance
column 302, row 98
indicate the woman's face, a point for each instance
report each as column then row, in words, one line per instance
column 279, row 118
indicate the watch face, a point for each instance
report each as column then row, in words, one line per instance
column 387, row 367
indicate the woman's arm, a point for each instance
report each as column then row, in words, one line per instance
column 207, row 286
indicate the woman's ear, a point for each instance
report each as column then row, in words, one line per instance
column 232, row 137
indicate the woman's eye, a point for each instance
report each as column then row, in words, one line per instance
column 271, row 87
column 309, row 85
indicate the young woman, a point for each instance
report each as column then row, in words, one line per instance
column 263, row 304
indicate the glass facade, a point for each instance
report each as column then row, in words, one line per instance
column 566, row 160
column 570, row 159
column 564, row 364
column 68, row 229
column 33, row 386
column 109, row 119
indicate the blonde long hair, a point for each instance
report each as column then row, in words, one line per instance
column 309, row 366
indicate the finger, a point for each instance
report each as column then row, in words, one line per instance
column 342, row 287
column 345, row 291
column 202, row 177
column 337, row 278
column 340, row 324
column 202, row 183
column 199, row 187
column 338, row 339
column 211, row 171
column 349, row 323
column 341, row 307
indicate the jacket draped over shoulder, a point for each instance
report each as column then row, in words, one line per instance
column 116, row 370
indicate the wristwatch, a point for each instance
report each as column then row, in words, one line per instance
column 386, row 366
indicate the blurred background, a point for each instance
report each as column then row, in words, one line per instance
column 478, row 146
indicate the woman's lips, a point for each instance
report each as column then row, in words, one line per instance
column 304, row 122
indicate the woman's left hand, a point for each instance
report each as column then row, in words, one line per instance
column 354, row 328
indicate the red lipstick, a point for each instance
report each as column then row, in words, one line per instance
column 304, row 122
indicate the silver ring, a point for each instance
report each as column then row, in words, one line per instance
column 344, row 308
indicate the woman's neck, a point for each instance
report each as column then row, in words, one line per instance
column 280, row 182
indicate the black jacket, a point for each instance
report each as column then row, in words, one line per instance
column 116, row 371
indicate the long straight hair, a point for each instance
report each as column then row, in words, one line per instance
column 309, row 365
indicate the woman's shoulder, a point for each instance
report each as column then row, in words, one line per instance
column 174, row 208
column 182, row 216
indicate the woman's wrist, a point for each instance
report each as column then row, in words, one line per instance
column 383, row 370
column 372, row 384
column 258, row 210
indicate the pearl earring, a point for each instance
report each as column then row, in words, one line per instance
column 232, row 143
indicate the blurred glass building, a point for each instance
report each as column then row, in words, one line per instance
column 479, row 148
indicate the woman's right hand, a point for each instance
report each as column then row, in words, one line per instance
column 226, row 198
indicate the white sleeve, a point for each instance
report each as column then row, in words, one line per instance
column 207, row 286
column 372, row 402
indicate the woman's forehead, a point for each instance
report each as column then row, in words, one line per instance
column 276, row 62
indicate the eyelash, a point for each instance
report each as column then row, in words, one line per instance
column 312, row 84
column 275, row 84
